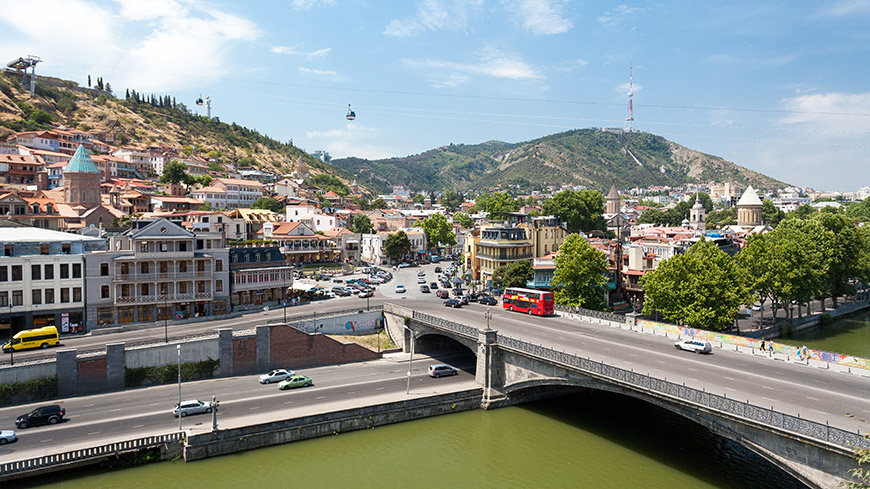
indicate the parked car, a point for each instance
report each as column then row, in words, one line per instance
column 421, row 280
column 442, row 294
column 276, row 375
column 457, row 291
column 433, row 285
column 340, row 291
column 455, row 303
column 463, row 299
column 487, row 300
column 421, row 273
column 696, row 346
column 337, row 280
column 437, row 269
column 366, row 293
column 42, row 415
column 190, row 407
column 7, row 436
column 441, row 370
column 424, row 289
column 756, row 307
column 400, row 289
column 296, row 381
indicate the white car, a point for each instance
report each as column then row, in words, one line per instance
column 421, row 280
column 421, row 273
column 191, row 407
column 276, row 375
column 696, row 346
column 7, row 436
column 756, row 307
column 400, row 289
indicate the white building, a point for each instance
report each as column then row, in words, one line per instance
column 230, row 193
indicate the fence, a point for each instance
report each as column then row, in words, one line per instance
column 325, row 315
column 606, row 316
column 82, row 454
column 745, row 410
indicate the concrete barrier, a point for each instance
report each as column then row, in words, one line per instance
column 14, row 374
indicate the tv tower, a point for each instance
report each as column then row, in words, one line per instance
column 629, row 118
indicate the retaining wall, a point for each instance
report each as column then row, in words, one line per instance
column 13, row 374
column 157, row 355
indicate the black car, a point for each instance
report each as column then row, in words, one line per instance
column 453, row 303
column 433, row 286
column 487, row 300
column 437, row 269
column 41, row 415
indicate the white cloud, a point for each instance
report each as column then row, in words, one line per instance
column 152, row 48
column 540, row 17
column 294, row 51
column 352, row 140
column 830, row 114
column 435, row 15
column 847, row 8
column 490, row 63
column 310, row 4
column 315, row 71
column 615, row 15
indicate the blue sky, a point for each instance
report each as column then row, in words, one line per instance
column 778, row 87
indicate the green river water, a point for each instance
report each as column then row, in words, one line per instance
column 850, row 336
column 588, row 440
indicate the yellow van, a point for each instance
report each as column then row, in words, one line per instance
column 32, row 338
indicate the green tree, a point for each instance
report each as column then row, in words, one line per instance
column 397, row 245
column 756, row 260
column 175, row 172
column 580, row 211
column 499, row 204
column 702, row 288
column 362, row 202
column 862, row 456
column 452, row 199
column 463, row 219
column 801, row 212
column 438, row 231
column 419, row 198
column 579, row 278
column 205, row 180
column 770, row 215
column 268, row 203
column 514, row 274
column 40, row 116
column 721, row 218
column 849, row 255
column 859, row 211
column 361, row 224
column 215, row 167
column 378, row 203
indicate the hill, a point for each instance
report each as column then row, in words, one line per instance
column 142, row 119
column 589, row 157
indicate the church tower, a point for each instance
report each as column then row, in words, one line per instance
column 749, row 209
column 611, row 207
column 82, row 180
column 697, row 214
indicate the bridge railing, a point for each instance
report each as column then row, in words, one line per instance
column 453, row 326
column 325, row 315
column 72, row 456
column 606, row 316
column 770, row 417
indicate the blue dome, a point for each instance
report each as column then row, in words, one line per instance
column 81, row 162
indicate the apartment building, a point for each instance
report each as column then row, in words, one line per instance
column 258, row 275
column 156, row 271
column 230, row 193
column 41, row 278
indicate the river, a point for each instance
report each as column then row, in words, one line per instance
column 850, row 336
column 586, row 440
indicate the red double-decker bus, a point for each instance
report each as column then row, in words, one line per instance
column 528, row 301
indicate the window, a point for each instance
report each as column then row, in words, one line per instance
column 199, row 244
column 164, row 289
column 182, row 246
column 77, row 270
column 104, row 269
column 44, row 249
column 182, row 288
column 218, row 285
column 64, row 294
column 17, row 297
column 35, row 272
column 143, row 267
column 125, row 269
column 143, row 247
column 49, row 273
column 218, row 265
column 36, row 296
column 64, row 270
column 16, row 273
column 144, row 290
column 65, row 248
column 4, row 274
column 4, row 299
column 182, row 266
column 77, row 294
column 205, row 219
column 104, row 292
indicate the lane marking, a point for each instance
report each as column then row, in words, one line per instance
column 88, row 405
column 813, row 398
column 114, row 410
column 693, row 380
column 768, row 388
column 288, row 402
column 820, row 412
column 661, row 362
column 93, row 433
column 45, row 441
column 692, row 369
column 379, row 389
column 351, row 393
column 730, row 378
column 252, row 408
column 730, row 389
column 320, row 397
column 138, row 425
column 772, row 400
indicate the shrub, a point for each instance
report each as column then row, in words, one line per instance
column 34, row 390
column 167, row 374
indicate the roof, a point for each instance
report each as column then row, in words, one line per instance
column 749, row 198
column 183, row 200
column 613, row 194
column 337, row 231
column 237, row 181
column 29, row 234
column 81, row 162
column 18, row 159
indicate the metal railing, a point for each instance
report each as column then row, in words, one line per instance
column 770, row 417
column 590, row 313
column 64, row 458
column 324, row 315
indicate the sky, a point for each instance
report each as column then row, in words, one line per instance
column 777, row 87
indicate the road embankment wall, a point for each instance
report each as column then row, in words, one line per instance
column 235, row 440
column 167, row 354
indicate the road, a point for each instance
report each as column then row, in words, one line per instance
column 105, row 418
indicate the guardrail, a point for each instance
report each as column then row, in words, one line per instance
column 72, row 456
column 591, row 313
column 742, row 409
column 325, row 315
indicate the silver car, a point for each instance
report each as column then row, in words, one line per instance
column 696, row 346
column 276, row 375
column 191, row 407
column 7, row 436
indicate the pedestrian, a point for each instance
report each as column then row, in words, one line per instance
column 770, row 346
column 762, row 345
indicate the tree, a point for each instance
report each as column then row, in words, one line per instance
column 849, row 254
column 397, row 245
column 580, row 211
column 862, row 456
column 801, row 212
column 800, row 258
column 268, row 203
column 770, row 215
column 175, row 172
column 438, row 231
column 499, row 204
column 860, row 211
column 514, row 274
column 721, row 218
column 702, row 288
column 89, row 81
column 419, row 198
column 452, row 199
column 378, row 203
column 463, row 219
column 579, row 278
column 205, row 180
column 40, row 116
column 361, row 224
column 757, row 263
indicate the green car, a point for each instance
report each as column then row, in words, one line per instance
column 294, row 382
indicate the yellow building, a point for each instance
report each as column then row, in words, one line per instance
column 523, row 238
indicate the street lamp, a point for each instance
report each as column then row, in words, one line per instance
column 410, row 359
column 284, row 292
column 178, row 349
column 488, row 316
column 165, row 319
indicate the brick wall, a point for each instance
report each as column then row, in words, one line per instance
column 244, row 355
column 291, row 348
column 91, row 375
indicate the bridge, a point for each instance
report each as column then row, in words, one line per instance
column 772, row 410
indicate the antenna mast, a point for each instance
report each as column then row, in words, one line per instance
column 629, row 118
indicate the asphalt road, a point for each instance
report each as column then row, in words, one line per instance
column 100, row 419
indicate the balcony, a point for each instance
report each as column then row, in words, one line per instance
column 159, row 299
column 538, row 284
column 153, row 276
column 505, row 256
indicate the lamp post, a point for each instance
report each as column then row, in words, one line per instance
column 284, row 292
column 178, row 349
column 165, row 319
column 11, row 336
column 410, row 360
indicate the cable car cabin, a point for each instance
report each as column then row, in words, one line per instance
column 199, row 100
column 351, row 115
